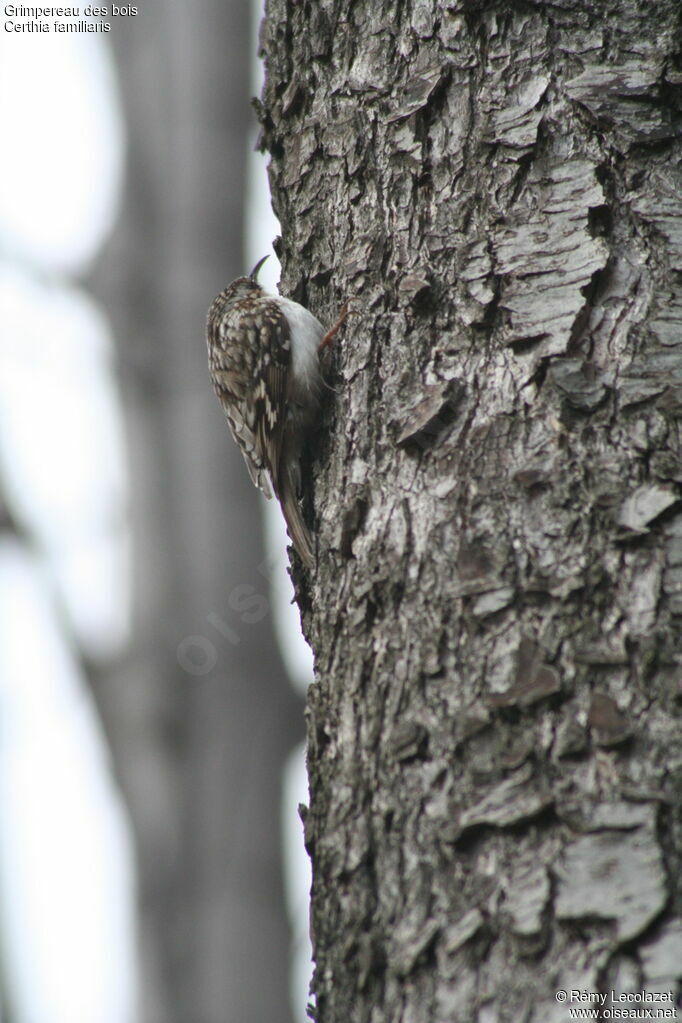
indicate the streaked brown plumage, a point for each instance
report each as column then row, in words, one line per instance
column 264, row 364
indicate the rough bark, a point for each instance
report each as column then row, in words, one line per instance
column 494, row 746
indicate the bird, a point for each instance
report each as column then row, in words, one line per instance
column 264, row 363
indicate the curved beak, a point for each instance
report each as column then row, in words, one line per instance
column 254, row 273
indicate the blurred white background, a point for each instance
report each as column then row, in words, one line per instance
column 66, row 871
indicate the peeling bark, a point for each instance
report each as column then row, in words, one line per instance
column 495, row 754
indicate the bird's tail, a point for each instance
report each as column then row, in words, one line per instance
column 298, row 531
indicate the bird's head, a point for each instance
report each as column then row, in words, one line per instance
column 237, row 291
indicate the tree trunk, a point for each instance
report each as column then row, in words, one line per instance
column 494, row 741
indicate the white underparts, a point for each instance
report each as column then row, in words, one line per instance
column 306, row 334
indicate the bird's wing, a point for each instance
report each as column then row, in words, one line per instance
column 270, row 398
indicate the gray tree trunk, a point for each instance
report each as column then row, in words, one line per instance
column 495, row 754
